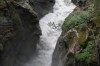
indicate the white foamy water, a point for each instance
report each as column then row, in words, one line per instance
column 61, row 10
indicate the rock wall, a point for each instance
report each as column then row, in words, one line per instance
column 79, row 42
column 19, row 29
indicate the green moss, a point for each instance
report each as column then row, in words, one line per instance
column 82, row 37
column 97, row 12
column 2, row 4
column 86, row 54
column 97, row 7
column 16, row 18
column 78, row 19
column 98, row 21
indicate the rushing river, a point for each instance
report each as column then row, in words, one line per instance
column 51, row 29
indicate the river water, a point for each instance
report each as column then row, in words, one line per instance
column 51, row 29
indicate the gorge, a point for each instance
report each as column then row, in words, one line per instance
column 45, row 47
column 49, row 32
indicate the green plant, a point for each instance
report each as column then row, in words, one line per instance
column 78, row 19
column 86, row 54
column 2, row 4
column 15, row 16
column 97, row 7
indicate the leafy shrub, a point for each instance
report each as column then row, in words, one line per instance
column 78, row 19
column 86, row 54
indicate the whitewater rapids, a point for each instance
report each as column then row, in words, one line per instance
column 48, row 39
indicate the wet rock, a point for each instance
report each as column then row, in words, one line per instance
column 20, row 31
column 87, row 40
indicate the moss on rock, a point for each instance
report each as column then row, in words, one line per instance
column 86, row 54
column 77, row 20
column 2, row 4
column 83, row 35
column 16, row 18
column 98, row 22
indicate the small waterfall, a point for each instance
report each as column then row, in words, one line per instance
column 61, row 10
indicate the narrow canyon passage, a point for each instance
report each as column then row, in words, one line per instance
column 51, row 29
column 49, row 32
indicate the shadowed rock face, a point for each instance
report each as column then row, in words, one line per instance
column 42, row 7
column 20, row 31
column 61, row 55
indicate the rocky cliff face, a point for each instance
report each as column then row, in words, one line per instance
column 42, row 7
column 79, row 42
column 19, row 29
